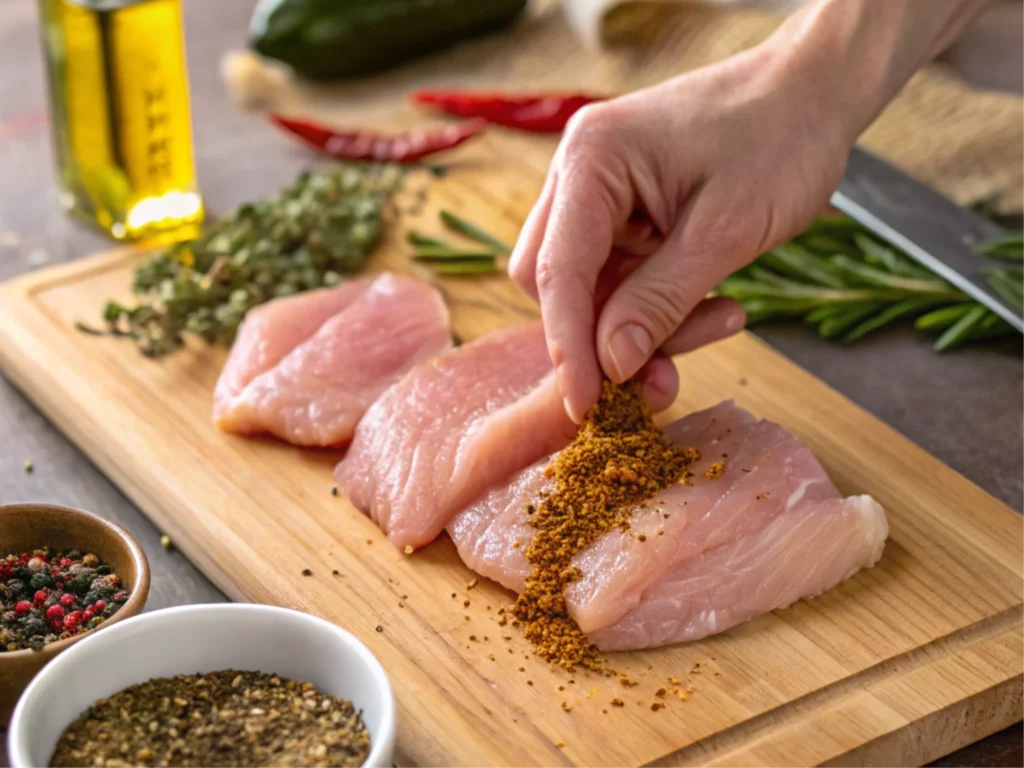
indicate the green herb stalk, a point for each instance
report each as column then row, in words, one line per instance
column 838, row 277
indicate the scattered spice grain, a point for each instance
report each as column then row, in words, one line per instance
column 619, row 459
column 334, row 491
column 618, row 703
column 29, row 466
column 222, row 718
column 306, row 572
column 715, row 470
column 335, row 572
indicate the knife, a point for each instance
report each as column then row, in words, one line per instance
column 934, row 231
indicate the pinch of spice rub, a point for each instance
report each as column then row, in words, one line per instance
column 619, row 459
column 225, row 718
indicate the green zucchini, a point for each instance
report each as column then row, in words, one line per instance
column 332, row 39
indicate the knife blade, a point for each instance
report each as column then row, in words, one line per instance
column 934, row 231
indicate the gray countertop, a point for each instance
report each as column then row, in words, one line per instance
column 965, row 407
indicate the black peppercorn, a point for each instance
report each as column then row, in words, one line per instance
column 34, row 626
column 42, row 580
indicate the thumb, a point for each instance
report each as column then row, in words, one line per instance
column 653, row 301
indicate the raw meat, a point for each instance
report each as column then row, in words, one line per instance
column 772, row 528
column 452, row 429
column 307, row 367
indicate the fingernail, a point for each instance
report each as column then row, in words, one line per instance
column 629, row 348
column 736, row 322
column 569, row 410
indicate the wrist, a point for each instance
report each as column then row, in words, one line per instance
column 847, row 59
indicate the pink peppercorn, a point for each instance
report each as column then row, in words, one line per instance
column 54, row 613
column 99, row 605
column 67, row 600
column 22, row 607
column 40, row 597
column 73, row 619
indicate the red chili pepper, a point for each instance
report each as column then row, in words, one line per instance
column 357, row 144
column 538, row 113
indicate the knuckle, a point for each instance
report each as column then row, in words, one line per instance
column 548, row 275
column 660, row 306
column 592, row 125
column 521, row 275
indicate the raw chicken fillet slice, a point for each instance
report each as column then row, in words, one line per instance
column 306, row 368
column 453, row 428
column 769, row 530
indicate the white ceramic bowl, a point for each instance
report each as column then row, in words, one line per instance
column 202, row 638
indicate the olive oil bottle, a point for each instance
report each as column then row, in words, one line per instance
column 119, row 109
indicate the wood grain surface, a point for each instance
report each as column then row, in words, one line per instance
column 900, row 664
column 963, row 407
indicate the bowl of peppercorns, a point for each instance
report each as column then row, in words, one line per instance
column 64, row 573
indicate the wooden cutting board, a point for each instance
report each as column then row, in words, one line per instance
column 900, row 664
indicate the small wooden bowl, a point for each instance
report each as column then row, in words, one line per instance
column 24, row 527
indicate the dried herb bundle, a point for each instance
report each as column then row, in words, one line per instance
column 837, row 276
column 312, row 234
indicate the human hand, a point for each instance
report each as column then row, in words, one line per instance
column 655, row 197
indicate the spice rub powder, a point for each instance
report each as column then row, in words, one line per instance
column 619, row 459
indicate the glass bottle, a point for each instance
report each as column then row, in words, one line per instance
column 119, row 110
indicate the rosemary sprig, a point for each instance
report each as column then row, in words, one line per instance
column 448, row 259
column 1009, row 247
column 473, row 232
column 419, row 239
column 838, row 277
column 448, row 253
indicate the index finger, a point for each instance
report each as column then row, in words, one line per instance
column 576, row 244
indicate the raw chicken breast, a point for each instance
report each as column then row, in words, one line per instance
column 803, row 552
column 452, row 429
column 772, row 499
column 307, row 367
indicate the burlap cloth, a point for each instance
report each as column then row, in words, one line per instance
column 968, row 144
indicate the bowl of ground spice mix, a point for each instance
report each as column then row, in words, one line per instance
column 209, row 685
column 64, row 574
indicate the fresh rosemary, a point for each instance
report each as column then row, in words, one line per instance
column 838, row 277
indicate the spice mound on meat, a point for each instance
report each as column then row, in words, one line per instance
column 619, row 459
column 225, row 718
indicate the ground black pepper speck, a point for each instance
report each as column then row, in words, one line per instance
column 222, row 718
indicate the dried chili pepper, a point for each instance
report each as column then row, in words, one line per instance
column 538, row 113
column 357, row 144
